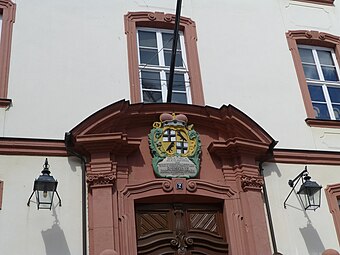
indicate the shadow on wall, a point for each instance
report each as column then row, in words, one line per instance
column 268, row 170
column 55, row 241
column 54, row 238
column 312, row 240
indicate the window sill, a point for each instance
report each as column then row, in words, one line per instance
column 4, row 103
column 323, row 123
column 323, row 2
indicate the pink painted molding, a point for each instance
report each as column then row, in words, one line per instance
column 7, row 8
column 305, row 157
column 32, row 147
column 323, row 123
column 330, row 252
column 167, row 21
column 333, row 194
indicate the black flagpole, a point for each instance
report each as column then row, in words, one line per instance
column 174, row 51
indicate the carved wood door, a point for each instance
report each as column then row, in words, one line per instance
column 180, row 229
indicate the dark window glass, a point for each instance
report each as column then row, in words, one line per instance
column 306, row 55
column 179, row 98
column 316, row 93
column 167, row 41
column 148, row 56
column 179, row 82
column 321, row 111
column 325, row 57
column 167, row 58
column 310, row 72
column 147, row 39
column 334, row 94
column 152, row 97
column 336, row 110
column 329, row 73
column 150, row 80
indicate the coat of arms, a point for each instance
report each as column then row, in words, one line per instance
column 175, row 147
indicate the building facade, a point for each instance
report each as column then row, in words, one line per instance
column 84, row 84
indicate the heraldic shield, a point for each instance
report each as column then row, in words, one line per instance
column 175, row 147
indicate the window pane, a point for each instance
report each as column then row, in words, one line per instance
column 316, row 93
column 152, row 97
column 148, row 56
column 310, row 72
column 321, row 111
column 167, row 41
column 334, row 94
column 325, row 57
column 150, row 80
column 336, row 110
column 179, row 82
column 306, row 55
column 329, row 73
column 167, row 57
column 179, row 98
column 147, row 39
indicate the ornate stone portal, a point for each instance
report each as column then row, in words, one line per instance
column 175, row 147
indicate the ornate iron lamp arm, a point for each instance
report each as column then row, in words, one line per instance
column 292, row 185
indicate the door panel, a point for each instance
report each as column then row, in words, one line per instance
column 180, row 229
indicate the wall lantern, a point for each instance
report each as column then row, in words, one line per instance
column 309, row 192
column 44, row 188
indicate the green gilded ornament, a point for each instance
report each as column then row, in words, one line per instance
column 175, row 147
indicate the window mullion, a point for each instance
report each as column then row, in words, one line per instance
column 318, row 65
column 164, row 85
column 328, row 101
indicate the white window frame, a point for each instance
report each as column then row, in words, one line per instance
column 321, row 82
column 161, row 68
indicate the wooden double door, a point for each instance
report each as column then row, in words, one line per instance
column 180, row 229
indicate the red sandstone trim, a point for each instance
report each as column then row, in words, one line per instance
column 323, row 123
column 310, row 38
column 1, row 192
column 7, row 8
column 162, row 20
column 32, row 147
column 305, row 157
column 333, row 194
column 4, row 103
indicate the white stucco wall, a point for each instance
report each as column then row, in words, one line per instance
column 26, row 230
column 300, row 232
column 69, row 59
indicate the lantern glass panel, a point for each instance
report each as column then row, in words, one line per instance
column 44, row 199
column 310, row 195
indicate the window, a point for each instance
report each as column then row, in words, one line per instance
column 333, row 199
column 154, row 54
column 149, row 41
column 7, row 14
column 316, row 56
column 322, row 76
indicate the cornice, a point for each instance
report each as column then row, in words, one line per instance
column 32, row 147
column 291, row 156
